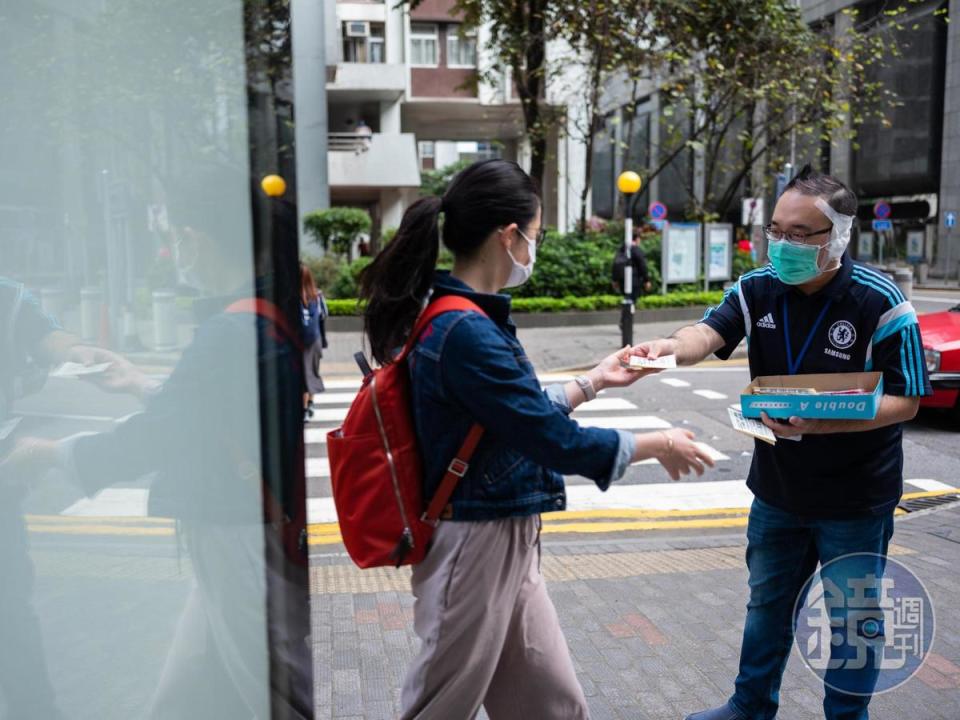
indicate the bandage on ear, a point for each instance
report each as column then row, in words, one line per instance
column 840, row 234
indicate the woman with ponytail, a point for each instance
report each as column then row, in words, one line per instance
column 490, row 634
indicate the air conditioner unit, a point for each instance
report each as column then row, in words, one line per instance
column 358, row 29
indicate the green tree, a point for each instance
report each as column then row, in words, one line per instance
column 519, row 31
column 337, row 228
column 743, row 79
column 435, row 182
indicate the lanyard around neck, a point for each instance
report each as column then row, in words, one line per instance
column 793, row 364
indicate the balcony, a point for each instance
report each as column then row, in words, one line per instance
column 381, row 160
column 362, row 82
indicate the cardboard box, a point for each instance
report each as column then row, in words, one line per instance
column 824, row 403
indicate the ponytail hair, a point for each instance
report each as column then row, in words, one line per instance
column 396, row 283
column 487, row 195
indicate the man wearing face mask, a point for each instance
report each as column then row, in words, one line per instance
column 833, row 490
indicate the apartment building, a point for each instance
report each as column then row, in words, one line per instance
column 403, row 96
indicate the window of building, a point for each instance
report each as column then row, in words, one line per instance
column 427, row 150
column 603, row 169
column 461, row 47
column 363, row 42
column 424, row 45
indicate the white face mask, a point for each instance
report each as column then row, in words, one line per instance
column 519, row 273
column 840, row 234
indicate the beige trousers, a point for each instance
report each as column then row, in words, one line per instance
column 489, row 632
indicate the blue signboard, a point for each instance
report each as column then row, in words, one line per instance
column 950, row 219
column 880, row 225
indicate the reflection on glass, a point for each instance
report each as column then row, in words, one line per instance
column 151, row 460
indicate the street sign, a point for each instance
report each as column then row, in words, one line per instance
column 881, row 210
column 680, row 258
column 881, row 225
column 752, row 211
column 718, row 251
column 915, row 240
column 865, row 246
column 657, row 210
column 950, row 219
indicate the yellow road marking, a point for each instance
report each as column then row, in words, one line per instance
column 100, row 530
column 592, row 521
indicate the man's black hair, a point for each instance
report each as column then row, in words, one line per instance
column 837, row 195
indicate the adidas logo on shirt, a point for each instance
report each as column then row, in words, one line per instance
column 767, row 322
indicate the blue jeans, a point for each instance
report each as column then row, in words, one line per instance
column 782, row 553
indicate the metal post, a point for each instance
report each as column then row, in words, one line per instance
column 626, row 305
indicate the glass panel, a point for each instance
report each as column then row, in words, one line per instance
column 133, row 530
column 461, row 51
column 376, row 50
column 602, row 191
column 423, row 44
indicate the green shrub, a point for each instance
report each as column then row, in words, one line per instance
column 346, row 284
column 337, row 228
column 435, row 182
column 577, row 264
column 570, row 303
column 324, row 270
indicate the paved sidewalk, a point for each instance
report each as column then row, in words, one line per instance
column 653, row 623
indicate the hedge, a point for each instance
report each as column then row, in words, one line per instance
column 571, row 303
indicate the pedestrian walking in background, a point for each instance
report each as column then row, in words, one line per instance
column 489, row 632
column 314, row 313
column 638, row 261
column 830, row 494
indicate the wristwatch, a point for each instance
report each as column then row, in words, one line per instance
column 584, row 383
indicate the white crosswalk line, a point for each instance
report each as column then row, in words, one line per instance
column 627, row 422
column 710, row 394
column 315, row 436
column 606, row 404
column 321, row 415
column 675, row 382
column 112, row 502
column 342, row 384
column 336, row 398
column 318, row 467
column 929, row 485
column 662, row 496
column 652, row 496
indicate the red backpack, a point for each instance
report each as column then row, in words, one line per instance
column 376, row 468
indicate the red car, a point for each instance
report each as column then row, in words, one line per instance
column 941, row 345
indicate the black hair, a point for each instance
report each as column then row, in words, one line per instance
column 837, row 195
column 481, row 198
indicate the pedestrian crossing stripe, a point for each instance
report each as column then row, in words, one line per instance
column 328, row 533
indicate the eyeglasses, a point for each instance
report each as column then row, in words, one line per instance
column 540, row 238
column 773, row 235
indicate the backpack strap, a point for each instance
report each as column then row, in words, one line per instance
column 457, row 469
column 461, row 462
column 445, row 304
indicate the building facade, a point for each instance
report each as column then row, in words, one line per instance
column 404, row 95
column 914, row 164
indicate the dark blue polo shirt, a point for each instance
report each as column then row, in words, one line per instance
column 859, row 321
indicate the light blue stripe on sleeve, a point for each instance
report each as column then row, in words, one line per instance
column 895, row 325
column 918, row 353
column 906, row 363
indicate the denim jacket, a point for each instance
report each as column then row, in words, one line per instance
column 469, row 368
